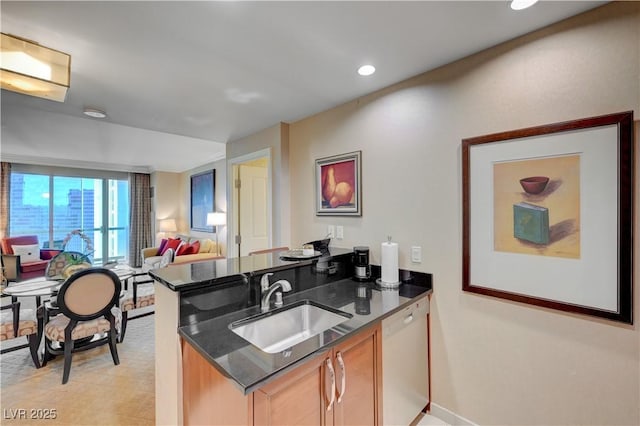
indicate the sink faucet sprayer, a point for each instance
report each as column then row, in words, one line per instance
column 268, row 290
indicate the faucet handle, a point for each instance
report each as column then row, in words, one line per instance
column 264, row 281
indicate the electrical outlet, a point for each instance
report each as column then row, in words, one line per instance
column 416, row 254
column 331, row 231
column 339, row 232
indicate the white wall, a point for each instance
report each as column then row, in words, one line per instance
column 493, row 361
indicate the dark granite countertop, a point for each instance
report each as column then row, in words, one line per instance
column 250, row 368
column 206, row 273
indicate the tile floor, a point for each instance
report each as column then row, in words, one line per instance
column 98, row 392
column 429, row 420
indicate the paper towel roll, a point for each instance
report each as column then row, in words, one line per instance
column 390, row 299
column 389, row 262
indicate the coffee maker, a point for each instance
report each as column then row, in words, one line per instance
column 362, row 269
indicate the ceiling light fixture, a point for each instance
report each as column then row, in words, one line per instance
column 31, row 69
column 522, row 4
column 366, row 70
column 94, row 113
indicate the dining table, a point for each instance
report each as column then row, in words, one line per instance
column 35, row 287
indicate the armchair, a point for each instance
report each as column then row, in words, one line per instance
column 22, row 257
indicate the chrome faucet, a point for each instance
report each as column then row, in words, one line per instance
column 268, row 290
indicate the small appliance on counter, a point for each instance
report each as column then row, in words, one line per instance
column 361, row 267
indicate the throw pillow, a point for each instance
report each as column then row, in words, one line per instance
column 193, row 248
column 205, row 246
column 161, row 247
column 172, row 243
column 181, row 248
column 28, row 253
column 188, row 248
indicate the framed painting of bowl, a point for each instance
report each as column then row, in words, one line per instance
column 548, row 215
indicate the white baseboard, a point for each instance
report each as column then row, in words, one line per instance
column 449, row 416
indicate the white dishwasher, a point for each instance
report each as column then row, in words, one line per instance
column 405, row 364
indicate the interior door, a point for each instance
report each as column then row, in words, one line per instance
column 254, row 227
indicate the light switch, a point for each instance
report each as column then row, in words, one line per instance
column 416, row 254
column 339, row 232
column 331, row 231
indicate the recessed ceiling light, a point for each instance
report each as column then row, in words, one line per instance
column 366, row 70
column 94, row 113
column 522, row 4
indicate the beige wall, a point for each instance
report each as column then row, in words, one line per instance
column 172, row 198
column 493, row 361
column 276, row 139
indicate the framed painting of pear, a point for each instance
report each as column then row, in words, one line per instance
column 339, row 185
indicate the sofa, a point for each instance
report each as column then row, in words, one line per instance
column 206, row 250
column 22, row 257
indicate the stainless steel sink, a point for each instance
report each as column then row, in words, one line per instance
column 282, row 328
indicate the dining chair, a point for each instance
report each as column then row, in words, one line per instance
column 88, row 306
column 18, row 323
column 142, row 293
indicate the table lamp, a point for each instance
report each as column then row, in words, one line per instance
column 216, row 219
column 167, row 225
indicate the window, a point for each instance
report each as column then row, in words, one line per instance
column 53, row 202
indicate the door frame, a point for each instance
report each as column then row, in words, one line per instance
column 232, row 225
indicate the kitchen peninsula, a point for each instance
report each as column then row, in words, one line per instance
column 206, row 372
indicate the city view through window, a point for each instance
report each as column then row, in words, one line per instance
column 53, row 206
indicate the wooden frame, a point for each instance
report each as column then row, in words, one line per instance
column 339, row 185
column 563, row 238
column 202, row 200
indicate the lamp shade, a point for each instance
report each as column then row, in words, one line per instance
column 216, row 218
column 168, row 225
column 31, row 69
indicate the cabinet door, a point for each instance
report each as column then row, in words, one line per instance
column 297, row 398
column 209, row 398
column 358, row 373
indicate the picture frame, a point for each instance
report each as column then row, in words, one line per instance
column 339, row 185
column 563, row 238
column 202, row 200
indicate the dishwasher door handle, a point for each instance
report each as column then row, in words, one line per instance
column 408, row 318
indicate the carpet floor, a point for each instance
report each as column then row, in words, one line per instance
column 97, row 393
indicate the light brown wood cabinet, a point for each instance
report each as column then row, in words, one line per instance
column 340, row 387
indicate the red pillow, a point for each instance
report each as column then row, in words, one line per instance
column 163, row 244
column 181, row 249
column 194, row 248
column 172, row 243
column 189, row 248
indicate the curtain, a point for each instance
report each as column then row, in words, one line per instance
column 5, row 179
column 139, row 216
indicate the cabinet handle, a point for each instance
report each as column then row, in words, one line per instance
column 332, row 375
column 343, row 373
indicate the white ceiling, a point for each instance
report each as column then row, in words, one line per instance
column 217, row 71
